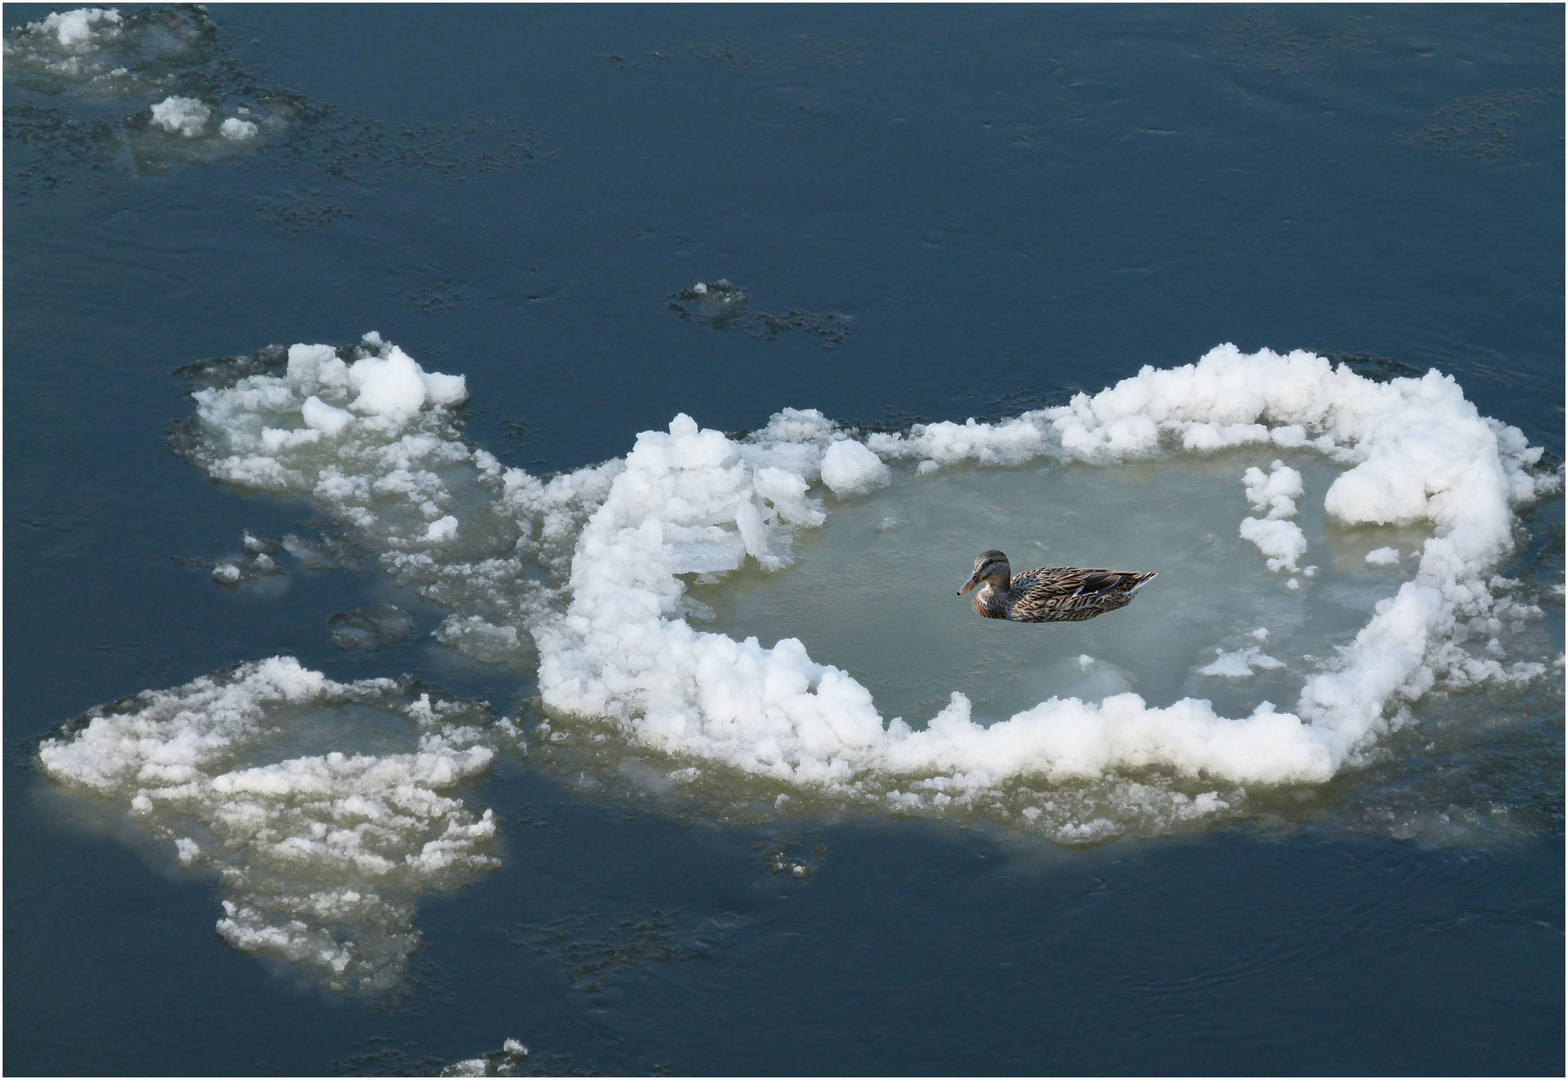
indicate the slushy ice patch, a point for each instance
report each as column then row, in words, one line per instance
column 102, row 53
column 198, row 104
column 325, row 808
column 193, row 102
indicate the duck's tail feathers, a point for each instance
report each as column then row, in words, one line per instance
column 1143, row 580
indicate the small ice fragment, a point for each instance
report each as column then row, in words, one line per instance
column 1275, row 492
column 849, row 468
column 186, row 848
column 228, row 573
column 700, row 289
column 1261, row 633
column 323, row 417
column 181, row 116
column 441, row 531
column 1084, row 661
column 372, row 337
column 512, row 1046
column 75, row 28
column 1239, row 664
column 1209, row 802
column 927, row 466
column 237, row 130
column 1293, row 584
column 1383, row 556
column 1281, row 542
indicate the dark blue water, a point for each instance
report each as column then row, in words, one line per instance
column 970, row 211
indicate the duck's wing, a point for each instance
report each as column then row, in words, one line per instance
column 1050, row 582
column 1055, row 593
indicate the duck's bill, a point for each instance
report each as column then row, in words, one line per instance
column 974, row 579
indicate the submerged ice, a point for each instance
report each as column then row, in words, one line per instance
column 613, row 586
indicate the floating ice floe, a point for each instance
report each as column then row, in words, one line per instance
column 76, row 31
column 321, row 854
column 102, row 53
column 195, row 105
column 237, row 129
column 585, row 580
column 619, row 539
column 1414, row 450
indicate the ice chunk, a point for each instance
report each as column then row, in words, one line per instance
column 323, row 417
column 389, row 386
column 321, row 854
column 181, row 115
column 75, row 30
column 619, row 543
column 1240, row 664
column 442, row 530
column 851, row 469
column 236, row 130
column 1275, row 492
column 1281, row 542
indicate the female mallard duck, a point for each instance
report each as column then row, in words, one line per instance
column 1051, row 593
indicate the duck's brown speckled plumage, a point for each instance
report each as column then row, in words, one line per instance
column 1050, row 593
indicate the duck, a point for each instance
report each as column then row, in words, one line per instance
column 1050, row 593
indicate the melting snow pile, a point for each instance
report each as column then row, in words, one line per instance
column 320, row 854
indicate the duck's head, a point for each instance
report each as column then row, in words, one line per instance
column 991, row 568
